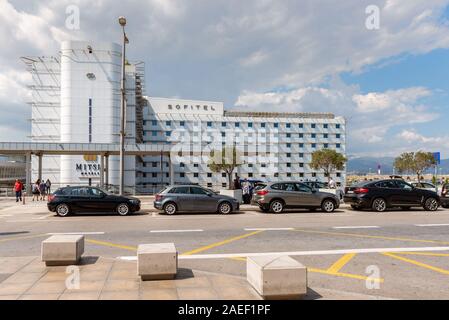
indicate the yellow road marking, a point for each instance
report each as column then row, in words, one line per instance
column 340, row 263
column 416, row 263
column 24, row 237
column 217, row 244
column 358, row 235
column 344, row 275
column 424, row 254
column 109, row 244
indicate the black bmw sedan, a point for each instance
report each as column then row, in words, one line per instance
column 90, row 199
column 384, row 194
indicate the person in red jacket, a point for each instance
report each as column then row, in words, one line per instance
column 18, row 186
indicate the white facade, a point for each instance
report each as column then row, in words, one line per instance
column 273, row 146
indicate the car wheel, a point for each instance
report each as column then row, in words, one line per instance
column 277, row 206
column 328, row 206
column 62, row 210
column 123, row 209
column 224, row 208
column 379, row 205
column 170, row 208
column 431, row 204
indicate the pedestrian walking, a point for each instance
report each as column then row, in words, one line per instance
column 18, row 187
column 332, row 184
column 35, row 190
column 42, row 190
column 48, row 186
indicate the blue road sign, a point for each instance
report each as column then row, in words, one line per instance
column 437, row 157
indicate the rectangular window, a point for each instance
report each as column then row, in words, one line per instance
column 182, row 123
column 301, row 175
column 276, row 125
column 338, row 146
column 289, row 165
column 237, row 124
column 313, row 145
column 209, row 185
column 325, row 126
column 301, row 155
column 289, row 145
column 209, row 124
column 195, row 165
column 301, row 165
column 223, row 124
column 209, row 175
column 154, row 133
column 301, row 135
column 153, row 122
column 301, row 125
column 195, row 175
column 182, row 174
column 168, row 133
column 338, row 126
column 301, row 145
column 289, row 174
column 313, row 125
column 313, row 135
column 168, row 123
column 325, row 136
column 289, row 155
column 250, row 175
column 250, row 124
column 262, row 125
column 154, row 175
column 154, row 164
column 338, row 136
column 288, row 135
column 326, row 145
column 223, row 185
column 288, row 125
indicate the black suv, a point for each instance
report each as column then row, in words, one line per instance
column 87, row 199
column 383, row 194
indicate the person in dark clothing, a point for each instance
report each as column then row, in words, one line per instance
column 237, row 184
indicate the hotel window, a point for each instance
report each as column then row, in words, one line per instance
column 325, row 126
column 276, row 125
column 153, row 122
column 154, row 164
column 301, row 145
column 289, row 145
column 301, row 135
column 168, row 133
column 250, row 175
column 289, row 165
column 209, row 175
column 195, row 175
column 301, row 175
column 289, row 155
column 182, row 165
column 223, row 134
column 338, row 136
column 223, row 124
column 301, row 165
column 154, row 175
column 337, row 126
column 209, row 185
column 313, row 145
column 325, row 136
column 301, row 155
column 237, row 124
column 223, row 185
column 288, row 135
column 326, row 146
column 288, row 125
column 263, row 165
column 144, row 122
column 338, row 145
column 154, row 133
column 301, row 125
column 250, row 165
column 314, row 174
column 276, row 175
column 144, row 175
column 313, row 125
column 195, row 165
column 223, row 175
column 182, row 174
column 262, row 125
column 250, row 124
column 209, row 124
column 338, row 174
column 289, row 175
column 182, row 123
column 168, row 123
column 167, row 175
column 313, row 135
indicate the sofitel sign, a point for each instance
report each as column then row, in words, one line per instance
column 191, row 107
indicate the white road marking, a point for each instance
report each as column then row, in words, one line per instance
column 76, row 233
column 268, row 229
column 356, row 227
column 297, row 253
column 176, row 231
column 44, row 217
column 432, row 225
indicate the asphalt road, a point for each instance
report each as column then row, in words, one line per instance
column 395, row 254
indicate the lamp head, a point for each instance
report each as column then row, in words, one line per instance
column 122, row 21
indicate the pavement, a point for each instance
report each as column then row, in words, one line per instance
column 349, row 254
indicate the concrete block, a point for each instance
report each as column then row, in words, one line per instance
column 157, row 261
column 62, row 250
column 277, row 277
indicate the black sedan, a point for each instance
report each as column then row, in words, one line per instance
column 89, row 199
column 383, row 194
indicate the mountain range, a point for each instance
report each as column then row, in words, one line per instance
column 364, row 165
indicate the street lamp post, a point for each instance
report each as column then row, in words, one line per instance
column 122, row 22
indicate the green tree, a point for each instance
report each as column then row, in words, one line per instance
column 327, row 160
column 416, row 162
column 225, row 161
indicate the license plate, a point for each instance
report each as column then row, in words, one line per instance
column 350, row 192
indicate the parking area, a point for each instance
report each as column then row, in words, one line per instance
column 349, row 254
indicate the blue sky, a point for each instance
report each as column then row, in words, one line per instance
column 390, row 84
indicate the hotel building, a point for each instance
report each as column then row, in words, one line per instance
column 76, row 98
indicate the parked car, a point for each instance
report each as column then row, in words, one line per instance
column 445, row 196
column 383, row 194
column 424, row 185
column 187, row 198
column 277, row 196
column 65, row 201
column 324, row 187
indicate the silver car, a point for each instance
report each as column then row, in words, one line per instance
column 277, row 196
column 189, row 198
